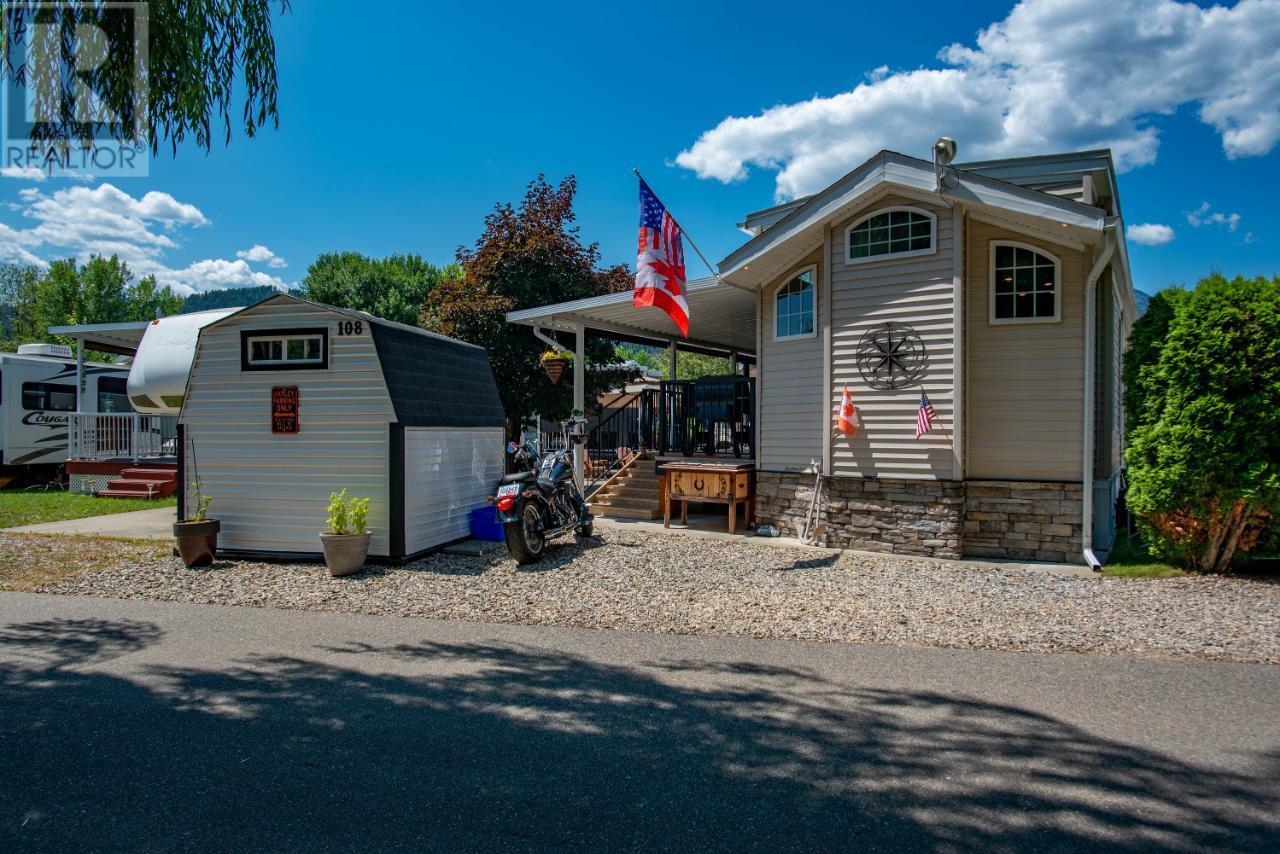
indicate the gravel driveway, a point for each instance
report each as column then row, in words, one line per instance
column 672, row 583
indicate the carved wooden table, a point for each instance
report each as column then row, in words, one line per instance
column 709, row 483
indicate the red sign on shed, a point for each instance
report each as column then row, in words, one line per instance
column 284, row 409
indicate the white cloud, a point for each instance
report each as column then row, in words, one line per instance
column 215, row 273
column 1150, row 234
column 104, row 220
column 1205, row 215
column 260, row 254
column 23, row 173
column 1054, row 75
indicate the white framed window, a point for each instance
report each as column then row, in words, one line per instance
column 284, row 350
column 793, row 314
column 891, row 232
column 1026, row 284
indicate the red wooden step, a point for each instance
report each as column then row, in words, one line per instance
column 127, row 487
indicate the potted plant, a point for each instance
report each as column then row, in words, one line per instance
column 197, row 535
column 554, row 362
column 346, row 541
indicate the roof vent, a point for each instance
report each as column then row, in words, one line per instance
column 56, row 351
column 944, row 151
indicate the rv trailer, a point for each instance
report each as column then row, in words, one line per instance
column 38, row 396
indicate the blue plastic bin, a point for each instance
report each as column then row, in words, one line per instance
column 485, row 524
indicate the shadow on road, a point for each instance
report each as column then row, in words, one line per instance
column 484, row 746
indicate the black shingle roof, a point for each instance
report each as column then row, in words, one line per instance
column 436, row 381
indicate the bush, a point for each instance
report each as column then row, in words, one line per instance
column 1203, row 406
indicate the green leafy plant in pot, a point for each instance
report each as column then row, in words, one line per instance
column 346, row 539
column 197, row 535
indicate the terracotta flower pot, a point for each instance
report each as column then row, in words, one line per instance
column 197, row 541
column 555, row 367
column 344, row 554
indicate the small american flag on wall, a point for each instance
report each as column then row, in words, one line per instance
column 924, row 417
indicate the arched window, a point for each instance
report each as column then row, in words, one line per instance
column 1025, row 284
column 793, row 306
column 890, row 231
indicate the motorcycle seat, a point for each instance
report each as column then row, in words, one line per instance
column 517, row 477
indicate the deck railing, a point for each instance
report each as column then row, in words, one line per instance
column 121, row 436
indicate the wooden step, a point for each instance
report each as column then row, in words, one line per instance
column 619, row 513
column 128, row 487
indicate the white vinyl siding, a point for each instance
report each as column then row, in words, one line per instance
column 447, row 473
column 1024, row 382
column 790, row 384
column 271, row 490
column 917, row 291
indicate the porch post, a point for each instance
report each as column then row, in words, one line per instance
column 79, row 374
column 74, row 421
column 580, row 404
column 671, row 374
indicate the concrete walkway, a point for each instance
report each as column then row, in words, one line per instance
column 135, row 725
column 154, row 524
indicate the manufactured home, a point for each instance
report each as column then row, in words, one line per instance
column 289, row 400
column 1000, row 289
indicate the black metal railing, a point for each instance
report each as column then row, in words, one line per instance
column 712, row 416
column 621, row 429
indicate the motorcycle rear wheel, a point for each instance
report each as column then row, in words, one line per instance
column 524, row 536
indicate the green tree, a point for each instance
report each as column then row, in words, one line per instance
column 201, row 57
column 100, row 291
column 689, row 366
column 17, row 304
column 528, row 255
column 147, row 300
column 1204, row 452
column 395, row 288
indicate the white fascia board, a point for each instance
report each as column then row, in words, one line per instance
column 1122, row 254
column 989, row 192
column 542, row 314
column 908, row 173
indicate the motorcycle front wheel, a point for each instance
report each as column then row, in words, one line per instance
column 524, row 536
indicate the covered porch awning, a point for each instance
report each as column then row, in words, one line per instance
column 120, row 339
column 722, row 318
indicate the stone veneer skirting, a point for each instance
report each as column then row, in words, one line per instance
column 933, row 518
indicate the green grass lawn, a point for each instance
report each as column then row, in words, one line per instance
column 1131, row 560
column 25, row 508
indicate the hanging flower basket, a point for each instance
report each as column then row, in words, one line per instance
column 554, row 364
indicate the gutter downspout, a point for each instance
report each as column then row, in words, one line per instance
column 1090, row 349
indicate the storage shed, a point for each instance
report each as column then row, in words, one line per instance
column 289, row 400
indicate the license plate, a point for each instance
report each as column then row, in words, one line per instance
column 509, row 489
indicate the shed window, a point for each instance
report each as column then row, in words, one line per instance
column 51, row 397
column 794, row 307
column 894, row 231
column 287, row 350
column 1025, row 283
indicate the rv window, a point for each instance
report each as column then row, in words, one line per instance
column 113, row 395
column 52, row 397
column 284, row 351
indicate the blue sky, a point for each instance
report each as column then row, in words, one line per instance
column 399, row 131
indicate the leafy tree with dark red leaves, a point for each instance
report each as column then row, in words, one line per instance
column 529, row 255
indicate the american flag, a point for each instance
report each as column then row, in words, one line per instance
column 660, row 275
column 924, row 418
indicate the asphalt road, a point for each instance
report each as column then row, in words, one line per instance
column 155, row 726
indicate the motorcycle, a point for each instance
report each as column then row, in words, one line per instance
column 539, row 501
